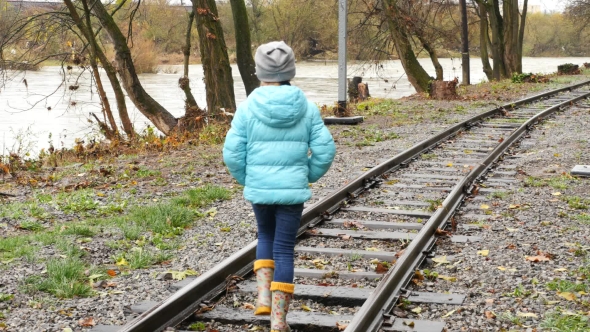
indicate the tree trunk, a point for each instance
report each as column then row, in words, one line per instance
column 86, row 30
column 497, row 26
column 184, row 81
column 157, row 114
column 218, row 78
column 433, row 57
column 243, row 46
column 521, row 34
column 417, row 76
column 511, row 34
column 484, row 40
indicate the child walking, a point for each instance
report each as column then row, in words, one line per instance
column 268, row 150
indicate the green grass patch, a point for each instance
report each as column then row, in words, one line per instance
column 141, row 258
column 577, row 203
column 78, row 230
column 6, row 297
column 561, row 182
column 33, row 226
column 567, row 286
column 499, row 194
column 199, row 197
column 584, row 217
column 143, row 172
column 557, row 321
column 16, row 247
column 65, row 279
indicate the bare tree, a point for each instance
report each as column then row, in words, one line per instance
column 149, row 107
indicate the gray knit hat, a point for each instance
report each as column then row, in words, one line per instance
column 275, row 62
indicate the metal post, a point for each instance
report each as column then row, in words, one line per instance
column 342, row 11
column 465, row 39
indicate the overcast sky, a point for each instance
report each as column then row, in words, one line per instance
column 549, row 5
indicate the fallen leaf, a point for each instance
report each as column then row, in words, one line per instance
column 567, row 295
column 450, row 165
column 527, row 314
column 511, row 246
column 440, row 232
column 556, row 194
column 121, row 261
column 447, row 278
column 372, row 249
column 511, row 229
column 112, row 273
column 490, row 315
column 345, row 237
column 560, row 270
column 537, row 258
column 381, row 268
column 341, row 326
column 409, row 323
column 88, row 321
column 484, row 206
column 483, row 253
column 501, row 140
column 489, row 301
column 514, row 206
column 417, row 310
column 248, row 306
column 441, row 260
column 449, row 313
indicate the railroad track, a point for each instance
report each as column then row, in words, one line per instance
column 361, row 245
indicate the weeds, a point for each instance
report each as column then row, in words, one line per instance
column 560, row 322
column 567, row 286
column 577, row 203
column 65, row 279
column 199, row 197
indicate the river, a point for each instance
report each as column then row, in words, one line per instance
column 44, row 109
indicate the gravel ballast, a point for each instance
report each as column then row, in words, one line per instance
column 215, row 237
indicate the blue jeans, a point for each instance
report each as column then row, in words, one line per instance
column 277, row 231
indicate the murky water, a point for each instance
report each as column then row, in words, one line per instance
column 45, row 106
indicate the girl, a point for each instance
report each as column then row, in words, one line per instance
column 268, row 150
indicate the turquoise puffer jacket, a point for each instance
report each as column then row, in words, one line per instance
column 267, row 147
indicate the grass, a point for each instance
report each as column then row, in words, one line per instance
column 65, row 279
column 31, row 226
column 561, row 182
column 558, row 321
column 434, row 204
column 567, row 286
column 6, row 297
column 368, row 136
column 199, row 197
column 584, row 217
column 577, row 203
column 499, row 194
column 140, row 258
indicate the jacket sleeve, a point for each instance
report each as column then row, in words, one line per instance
column 234, row 148
column 321, row 145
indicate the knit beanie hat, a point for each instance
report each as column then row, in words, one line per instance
column 275, row 62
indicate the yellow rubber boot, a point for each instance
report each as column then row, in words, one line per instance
column 282, row 294
column 264, row 269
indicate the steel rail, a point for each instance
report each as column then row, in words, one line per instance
column 183, row 303
column 374, row 312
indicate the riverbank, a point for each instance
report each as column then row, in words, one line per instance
column 122, row 225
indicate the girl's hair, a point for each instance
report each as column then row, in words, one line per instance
column 285, row 83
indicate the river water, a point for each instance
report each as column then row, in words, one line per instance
column 45, row 109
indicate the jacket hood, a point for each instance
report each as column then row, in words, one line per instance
column 278, row 106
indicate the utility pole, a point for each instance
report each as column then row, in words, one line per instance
column 465, row 46
column 342, row 11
